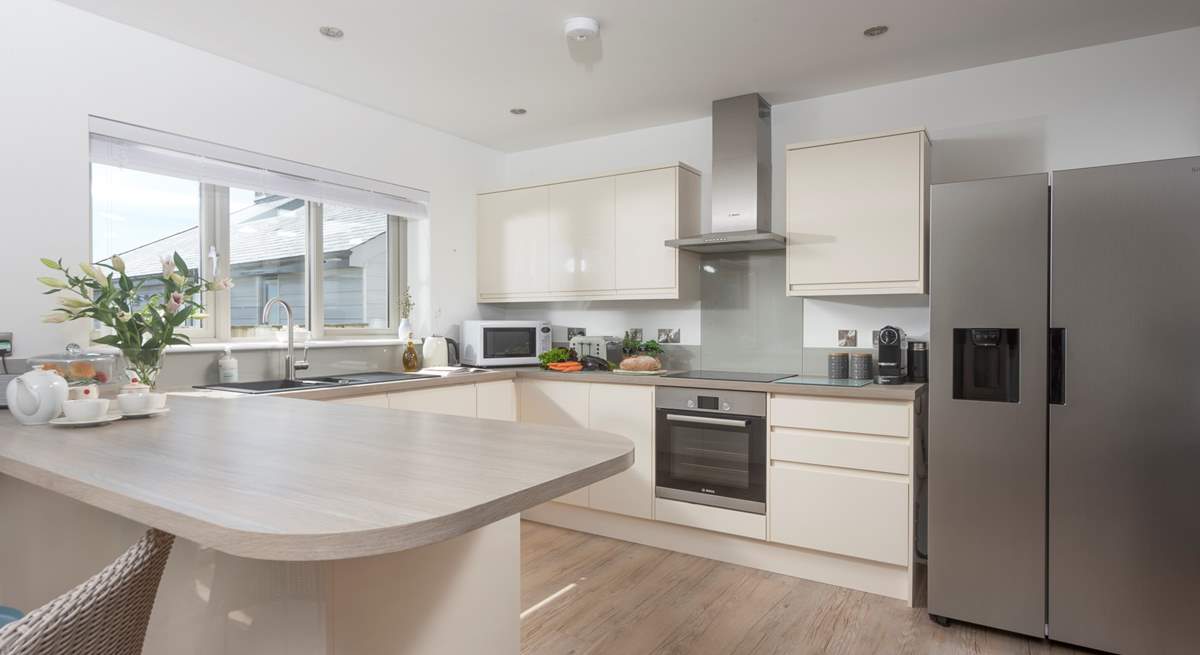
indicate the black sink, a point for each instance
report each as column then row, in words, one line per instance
column 321, row 382
column 268, row 386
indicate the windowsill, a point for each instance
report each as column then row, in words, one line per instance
column 240, row 346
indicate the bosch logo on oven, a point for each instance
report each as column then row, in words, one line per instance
column 707, row 490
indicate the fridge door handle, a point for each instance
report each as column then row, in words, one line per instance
column 1057, row 384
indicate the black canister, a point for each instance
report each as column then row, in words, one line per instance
column 918, row 361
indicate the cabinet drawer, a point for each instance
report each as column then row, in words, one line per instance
column 862, row 515
column 893, row 418
column 844, row 450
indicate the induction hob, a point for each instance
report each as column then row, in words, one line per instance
column 733, row 376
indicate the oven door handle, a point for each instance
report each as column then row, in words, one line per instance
column 705, row 420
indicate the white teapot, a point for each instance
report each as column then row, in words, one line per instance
column 37, row 396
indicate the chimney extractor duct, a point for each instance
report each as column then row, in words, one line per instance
column 741, row 180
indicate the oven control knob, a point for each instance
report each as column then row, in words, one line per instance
column 725, row 407
column 691, row 404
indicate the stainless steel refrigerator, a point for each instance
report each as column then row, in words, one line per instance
column 1064, row 435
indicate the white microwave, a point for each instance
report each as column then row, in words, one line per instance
column 504, row 343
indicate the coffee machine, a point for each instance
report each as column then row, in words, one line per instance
column 890, row 358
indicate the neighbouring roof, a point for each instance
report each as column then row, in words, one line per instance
column 270, row 229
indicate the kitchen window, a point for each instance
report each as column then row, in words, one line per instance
column 333, row 246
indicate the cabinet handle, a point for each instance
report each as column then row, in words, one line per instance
column 729, row 422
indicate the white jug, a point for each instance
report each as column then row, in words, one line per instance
column 36, row 397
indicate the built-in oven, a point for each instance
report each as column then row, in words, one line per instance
column 504, row 343
column 712, row 448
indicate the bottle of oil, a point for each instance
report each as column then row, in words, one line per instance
column 410, row 359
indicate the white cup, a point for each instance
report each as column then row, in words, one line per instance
column 156, row 400
column 85, row 410
column 83, row 392
column 132, row 403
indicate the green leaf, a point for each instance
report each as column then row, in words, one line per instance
column 109, row 340
column 50, row 263
column 181, row 265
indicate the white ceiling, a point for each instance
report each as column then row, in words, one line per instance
column 459, row 65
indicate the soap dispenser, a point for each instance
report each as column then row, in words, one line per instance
column 228, row 367
column 410, row 359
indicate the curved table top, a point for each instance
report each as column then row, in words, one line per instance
column 288, row 479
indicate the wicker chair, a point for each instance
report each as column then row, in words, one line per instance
column 107, row 615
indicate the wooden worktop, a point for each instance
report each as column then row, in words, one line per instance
column 289, row 479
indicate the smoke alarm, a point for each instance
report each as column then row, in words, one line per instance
column 581, row 28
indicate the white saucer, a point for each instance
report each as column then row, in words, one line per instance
column 146, row 413
column 85, row 423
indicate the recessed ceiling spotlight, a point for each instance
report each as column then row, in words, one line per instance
column 517, row 111
column 878, row 30
column 581, row 28
column 332, row 32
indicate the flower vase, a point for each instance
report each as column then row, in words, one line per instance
column 405, row 328
column 144, row 366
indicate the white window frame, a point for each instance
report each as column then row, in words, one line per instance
column 214, row 228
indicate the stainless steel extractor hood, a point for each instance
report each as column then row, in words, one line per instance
column 741, row 180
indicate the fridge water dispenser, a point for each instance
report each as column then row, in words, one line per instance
column 987, row 364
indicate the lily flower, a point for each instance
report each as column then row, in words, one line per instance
column 220, row 284
column 168, row 266
column 74, row 303
column 174, row 302
column 118, row 263
column 93, row 273
column 178, row 279
column 56, row 317
column 53, row 282
column 124, row 317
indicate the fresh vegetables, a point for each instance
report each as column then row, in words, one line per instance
column 554, row 356
column 652, row 348
column 565, row 367
column 633, row 347
column 592, row 363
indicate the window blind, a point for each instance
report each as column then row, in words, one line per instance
column 128, row 146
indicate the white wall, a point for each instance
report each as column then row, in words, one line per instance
column 1127, row 101
column 61, row 64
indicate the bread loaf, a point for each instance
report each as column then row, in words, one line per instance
column 640, row 363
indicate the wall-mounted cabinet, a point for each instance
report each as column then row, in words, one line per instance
column 599, row 238
column 858, row 215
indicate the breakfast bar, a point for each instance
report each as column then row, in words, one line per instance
column 303, row 526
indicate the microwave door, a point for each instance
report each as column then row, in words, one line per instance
column 509, row 343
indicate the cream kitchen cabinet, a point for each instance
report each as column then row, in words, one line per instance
column 858, row 215
column 496, row 400
column 840, row 476
column 581, row 231
column 513, row 243
column 555, row 403
column 627, row 410
column 597, row 238
column 375, row 400
column 650, row 208
column 455, row 400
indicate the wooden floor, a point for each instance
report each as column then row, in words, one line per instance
column 628, row 599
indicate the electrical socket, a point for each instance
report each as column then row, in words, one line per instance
column 6, row 347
